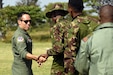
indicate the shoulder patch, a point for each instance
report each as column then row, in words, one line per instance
column 87, row 37
column 20, row 39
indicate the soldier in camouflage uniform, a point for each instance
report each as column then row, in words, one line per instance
column 73, row 33
column 67, row 38
column 57, row 15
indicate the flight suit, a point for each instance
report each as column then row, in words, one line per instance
column 96, row 52
column 21, row 45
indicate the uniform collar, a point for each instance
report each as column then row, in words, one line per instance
column 61, row 18
column 22, row 31
column 81, row 19
column 75, row 19
column 105, row 25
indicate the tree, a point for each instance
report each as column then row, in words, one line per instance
column 97, row 3
column 27, row 2
column 8, row 16
column 104, row 2
column 1, row 4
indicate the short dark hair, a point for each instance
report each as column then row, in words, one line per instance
column 106, row 11
column 76, row 4
column 20, row 15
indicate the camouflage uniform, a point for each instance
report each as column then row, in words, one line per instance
column 73, row 33
column 65, row 43
column 66, row 38
column 57, row 38
column 79, row 28
column 57, row 47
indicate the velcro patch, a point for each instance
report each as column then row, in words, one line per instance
column 85, row 39
column 29, row 40
column 20, row 39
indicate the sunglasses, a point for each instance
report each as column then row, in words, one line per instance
column 26, row 21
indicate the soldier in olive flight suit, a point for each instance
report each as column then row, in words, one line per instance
column 96, row 50
column 22, row 47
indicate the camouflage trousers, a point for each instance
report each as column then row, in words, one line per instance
column 69, row 68
column 66, row 69
column 57, row 69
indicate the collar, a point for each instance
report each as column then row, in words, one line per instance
column 60, row 19
column 81, row 19
column 75, row 19
column 105, row 25
column 22, row 31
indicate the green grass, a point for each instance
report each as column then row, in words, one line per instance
column 6, row 58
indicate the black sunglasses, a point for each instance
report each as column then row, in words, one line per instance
column 26, row 21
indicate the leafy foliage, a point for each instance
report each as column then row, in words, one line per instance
column 27, row 2
column 8, row 14
column 1, row 4
column 97, row 3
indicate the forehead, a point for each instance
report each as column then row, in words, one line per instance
column 26, row 16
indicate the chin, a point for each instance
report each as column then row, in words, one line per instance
column 27, row 29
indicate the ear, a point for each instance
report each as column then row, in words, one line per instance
column 19, row 22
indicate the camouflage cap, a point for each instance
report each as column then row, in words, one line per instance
column 57, row 8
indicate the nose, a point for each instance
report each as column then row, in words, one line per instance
column 29, row 22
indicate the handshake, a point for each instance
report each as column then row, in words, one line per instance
column 42, row 58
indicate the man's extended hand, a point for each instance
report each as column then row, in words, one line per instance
column 42, row 58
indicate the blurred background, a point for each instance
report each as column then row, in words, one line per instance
column 39, row 30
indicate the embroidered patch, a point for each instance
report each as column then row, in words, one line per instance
column 85, row 39
column 29, row 40
column 20, row 39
